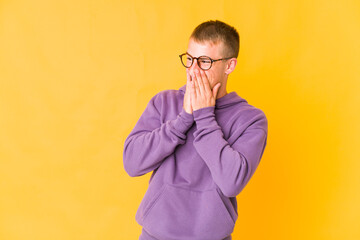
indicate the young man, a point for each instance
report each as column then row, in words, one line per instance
column 202, row 143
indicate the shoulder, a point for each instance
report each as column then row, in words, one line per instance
column 249, row 116
column 165, row 97
column 166, row 94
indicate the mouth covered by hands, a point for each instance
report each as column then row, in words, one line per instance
column 198, row 92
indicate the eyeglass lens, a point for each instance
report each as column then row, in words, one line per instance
column 203, row 62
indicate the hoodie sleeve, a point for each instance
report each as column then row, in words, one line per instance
column 231, row 166
column 151, row 141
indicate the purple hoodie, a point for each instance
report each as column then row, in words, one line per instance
column 200, row 163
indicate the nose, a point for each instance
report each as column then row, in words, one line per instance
column 194, row 67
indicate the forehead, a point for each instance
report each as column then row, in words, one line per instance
column 206, row 48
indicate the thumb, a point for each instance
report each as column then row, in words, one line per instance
column 215, row 89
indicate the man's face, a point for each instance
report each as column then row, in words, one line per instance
column 215, row 51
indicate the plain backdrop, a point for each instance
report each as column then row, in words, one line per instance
column 75, row 77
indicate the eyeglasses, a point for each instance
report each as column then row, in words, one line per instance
column 204, row 62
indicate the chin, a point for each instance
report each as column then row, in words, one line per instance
column 213, row 84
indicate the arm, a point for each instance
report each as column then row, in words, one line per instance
column 151, row 141
column 231, row 166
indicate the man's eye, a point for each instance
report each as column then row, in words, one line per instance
column 188, row 58
column 205, row 61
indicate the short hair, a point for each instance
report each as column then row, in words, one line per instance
column 215, row 31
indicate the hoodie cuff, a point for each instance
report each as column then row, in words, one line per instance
column 205, row 122
column 204, row 116
column 184, row 121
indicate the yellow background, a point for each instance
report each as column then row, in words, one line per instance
column 76, row 75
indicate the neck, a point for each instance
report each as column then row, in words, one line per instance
column 222, row 92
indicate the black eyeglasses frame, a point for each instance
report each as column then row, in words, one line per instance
column 197, row 60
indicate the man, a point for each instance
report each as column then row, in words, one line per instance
column 202, row 143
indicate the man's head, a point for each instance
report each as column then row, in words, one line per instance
column 217, row 40
column 216, row 32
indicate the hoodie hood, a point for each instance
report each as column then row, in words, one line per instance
column 228, row 100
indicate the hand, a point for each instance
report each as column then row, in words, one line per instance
column 187, row 102
column 201, row 94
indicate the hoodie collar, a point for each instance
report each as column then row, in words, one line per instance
column 227, row 100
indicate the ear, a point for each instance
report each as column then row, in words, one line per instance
column 230, row 66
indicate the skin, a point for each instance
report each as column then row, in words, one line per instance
column 204, row 87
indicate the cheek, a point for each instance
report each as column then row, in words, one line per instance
column 211, row 76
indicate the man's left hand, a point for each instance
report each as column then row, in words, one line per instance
column 201, row 93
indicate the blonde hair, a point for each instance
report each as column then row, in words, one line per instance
column 218, row 31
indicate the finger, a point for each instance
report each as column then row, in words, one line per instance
column 205, row 83
column 192, row 88
column 201, row 83
column 210, row 78
column 197, row 83
column 215, row 90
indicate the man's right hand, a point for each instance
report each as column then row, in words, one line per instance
column 187, row 103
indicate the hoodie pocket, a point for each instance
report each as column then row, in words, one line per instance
column 179, row 213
